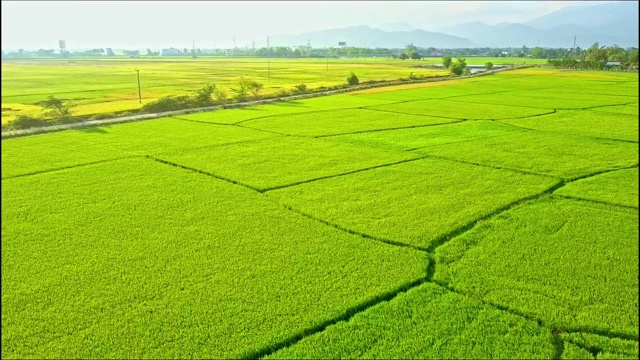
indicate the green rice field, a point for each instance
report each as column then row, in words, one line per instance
column 486, row 217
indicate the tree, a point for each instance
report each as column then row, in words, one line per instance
column 537, row 53
column 352, row 79
column 149, row 52
column 446, row 62
column 296, row 53
column 458, row 67
column 403, row 56
column 56, row 109
column 415, row 56
column 246, row 87
column 203, row 95
column 488, row 65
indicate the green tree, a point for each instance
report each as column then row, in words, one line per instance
column 246, row 87
column 352, row 79
column 56, row 110
column 203, row 96
column 410, row 49
column 446, row 61
column 415, row 56
column 488, row 65
column 537, row 53
column 459, row 67
column 403, row 56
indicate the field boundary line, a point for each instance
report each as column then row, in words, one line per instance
column 340, row 174
column 70, row 167
column 570, row 197
column 489, row 166
column 346, row 316
column 462, row 141
column 234, row 182
column 45, row 129
column 388, row 129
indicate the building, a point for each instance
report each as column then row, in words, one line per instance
column 171, row 52
column 613, row 63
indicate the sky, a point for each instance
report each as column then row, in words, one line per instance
column 161, row 24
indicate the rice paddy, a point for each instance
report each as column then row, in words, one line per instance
column 489, row 217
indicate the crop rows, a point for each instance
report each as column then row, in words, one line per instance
column 373, row 224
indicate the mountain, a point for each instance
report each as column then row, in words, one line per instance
column 590, row 16
column 395, row 26
column 372, row 37
column 606, row 24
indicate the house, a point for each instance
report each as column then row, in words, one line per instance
column 613, row 63
column 171, row 52
column 436, row 53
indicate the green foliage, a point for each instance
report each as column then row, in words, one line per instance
column 412, row 326
column 246, row 88
column 140, row 281
column 458, row 67
column 488, row 65
column 168, row 103
column 56, row 110
column 300, row 89
column 26, row 122
column 203, row 96
column 569, row 263
column 557, row 155
column 446, row 62
column 409, row 202
column 617, row 187
column 403, row 56
column 352, row 79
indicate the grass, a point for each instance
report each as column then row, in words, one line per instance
column 417, row 138
column 617, row 187
column 541, row 102
column 412, row 326
column 569, row 263
column 585, row 123
column 347, row 121
column 559, row 155
column 129, row 278
column 281, row 161
column 410, row 203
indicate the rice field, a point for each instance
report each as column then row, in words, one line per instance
column 490, row 217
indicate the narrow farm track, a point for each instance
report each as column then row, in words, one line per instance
column 432, row 268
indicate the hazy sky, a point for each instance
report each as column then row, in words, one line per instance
column 151, row 24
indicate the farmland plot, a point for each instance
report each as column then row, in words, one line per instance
column 416, row 138
column 546, row 153
column 143, row 266
column 413, row 326
column 569, row 263
column 584, row 123
column 460, row 110
column 342, row 122
column 409, row 202
column 604, row 347
column 283, row 161
column 620, row 109
column 513, row 99
column 617, row 187
column 75, row 147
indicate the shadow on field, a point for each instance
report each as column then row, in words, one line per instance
column 95, row 130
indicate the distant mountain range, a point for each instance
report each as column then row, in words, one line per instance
column 607, row 24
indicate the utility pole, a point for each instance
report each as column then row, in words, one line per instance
column 574, row 43
column 139, row 93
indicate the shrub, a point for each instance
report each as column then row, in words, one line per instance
column 246, row 87
column 458, row 68
column 203, row 96
column 168, row 103
column 352, row 79
column 56, row 110
column 446, row 61
column 300, row 89
column 488, row 65
column 26, row 122
column 221, row 96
